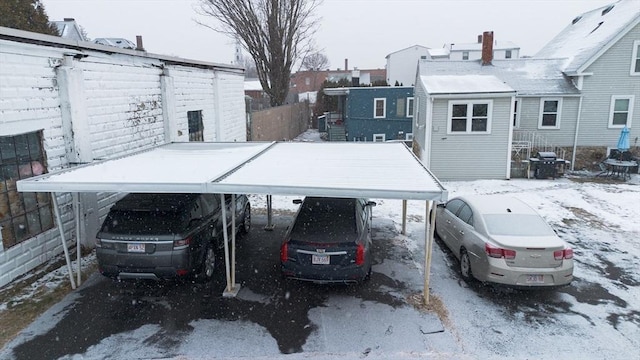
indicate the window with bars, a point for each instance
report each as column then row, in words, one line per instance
column 23, row 215
column 196, row 127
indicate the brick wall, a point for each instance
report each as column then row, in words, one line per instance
column 280, row 123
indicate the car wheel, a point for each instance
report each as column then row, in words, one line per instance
column 465, row 265
column 208, row 265
column 246, row 221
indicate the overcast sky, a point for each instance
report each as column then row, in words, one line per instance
column 363, row 31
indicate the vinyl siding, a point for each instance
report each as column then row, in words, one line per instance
column 470, row 156
column 530, row 115
column 611, row 76
column 360, row 122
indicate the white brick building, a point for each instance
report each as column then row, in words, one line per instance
column 64, row 102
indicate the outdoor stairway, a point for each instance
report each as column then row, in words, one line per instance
column 337, row 133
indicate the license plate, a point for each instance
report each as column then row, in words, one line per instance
column 135, row 247
column 320, row 259
column 535, row 279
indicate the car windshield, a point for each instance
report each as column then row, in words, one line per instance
column 143, row 222
column 517, row 225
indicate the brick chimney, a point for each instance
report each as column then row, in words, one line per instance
column 139, row 43
column 487, row 47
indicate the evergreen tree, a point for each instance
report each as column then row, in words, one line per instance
column 28, row 15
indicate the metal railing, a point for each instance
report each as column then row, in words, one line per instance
column 531, row 140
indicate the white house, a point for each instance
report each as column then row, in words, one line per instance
column 66, row 102
column 401, row 64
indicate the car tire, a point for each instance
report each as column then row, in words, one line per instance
column 465, row 265
column 246, row 221
column 208, row 266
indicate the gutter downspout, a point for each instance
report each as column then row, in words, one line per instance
column 510, row 139
column 575, row 139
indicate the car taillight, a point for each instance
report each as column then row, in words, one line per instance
column 182, row 243
column 284, row 252
column 360, row 254
column 563, row 254
column 496, row 252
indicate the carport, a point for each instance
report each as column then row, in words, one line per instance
column 372, row 170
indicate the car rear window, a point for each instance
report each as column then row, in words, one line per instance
column 143, row 222
column 517, row 225
column 326, row 221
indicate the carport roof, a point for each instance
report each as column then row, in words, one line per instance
column 377, row 170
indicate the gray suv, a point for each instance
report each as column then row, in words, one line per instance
column 166, row 236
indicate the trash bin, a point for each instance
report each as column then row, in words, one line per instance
column 546, row 165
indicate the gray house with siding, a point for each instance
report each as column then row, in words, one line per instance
column 65, row 102
column 573, row 98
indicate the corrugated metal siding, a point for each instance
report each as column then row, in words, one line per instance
column 470, row 156
column 611, row 76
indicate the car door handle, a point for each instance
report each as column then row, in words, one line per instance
column 448, row 221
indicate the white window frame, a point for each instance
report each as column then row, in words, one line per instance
column 558, row 113
column 384, row 108
column 635, row 57
column 631, row 99
column 516, row 114
column 465, row 55
column 409, row 112
column 379, row 137
column 469, row 116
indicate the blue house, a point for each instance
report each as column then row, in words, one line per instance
column 374, row 113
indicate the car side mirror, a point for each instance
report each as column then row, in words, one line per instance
column 371, row 203
column 297, row 201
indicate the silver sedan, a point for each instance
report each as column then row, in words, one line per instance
column 500, row 239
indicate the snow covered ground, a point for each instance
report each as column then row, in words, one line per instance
column 597, row 317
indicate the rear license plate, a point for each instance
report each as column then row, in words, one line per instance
column 135, row 247
column 320, row 259
column 535, row 279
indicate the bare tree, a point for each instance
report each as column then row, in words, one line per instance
column 276, row 33
column 315, row 61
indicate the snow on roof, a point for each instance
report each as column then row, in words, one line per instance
column 590, row 32
column 439, row 52
column 464, row 84
column 252, row 85
column 380, row 170
column 527, row 76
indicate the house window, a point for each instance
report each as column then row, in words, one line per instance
column 409, row 107
column 550, row 113
column 469, row 117
column 507, row 54
column 379, row 137
column 465, row 55
column 400, row 107
column 22, row 214
column 307, row 81
column 516, row 114
column 621, row 111
column 380, row 107
column 196, row 128
column 635, row 58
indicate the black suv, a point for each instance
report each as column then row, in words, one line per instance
column 166, row 236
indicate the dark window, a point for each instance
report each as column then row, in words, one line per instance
column 22, row 214
column 454, row 205
column 196, row 128
column 465, row 55
column 507, row 54
column 550, row 113
column 466, row 215
column 459, row 118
